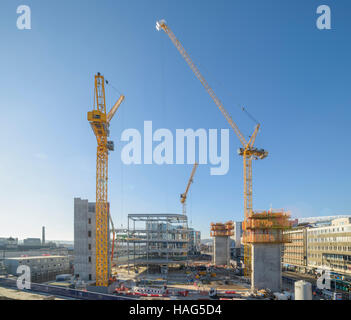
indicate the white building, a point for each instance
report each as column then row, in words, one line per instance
column 330, row 246
column 42, row 268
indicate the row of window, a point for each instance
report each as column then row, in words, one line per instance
column 330, row 239
column 329, row 230
column 33, row 261
column 337, row 257
column 330, row 256
column 330, row 248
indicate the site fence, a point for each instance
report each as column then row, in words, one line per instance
column 63, row 292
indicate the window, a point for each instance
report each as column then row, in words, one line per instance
column 89, row 246
column 89, row 234
column 89, row 220
column 89, row 259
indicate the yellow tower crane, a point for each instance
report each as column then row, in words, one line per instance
column 100, row 122
column 248, row 152
column 184, row 195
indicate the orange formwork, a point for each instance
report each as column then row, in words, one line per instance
column 222, row 229
column 266, row 227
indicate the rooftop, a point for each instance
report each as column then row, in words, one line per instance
column 170, row 217
column 35, row 257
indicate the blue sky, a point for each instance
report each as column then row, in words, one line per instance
column 266, row 55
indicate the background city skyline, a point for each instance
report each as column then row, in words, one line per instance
column 267, row 56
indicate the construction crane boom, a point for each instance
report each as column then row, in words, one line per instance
column 161, row 25
column 248, row 152
column 184, row 195
column 100, row 122
column 115, row 108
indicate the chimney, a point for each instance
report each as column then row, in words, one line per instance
column 43, row 236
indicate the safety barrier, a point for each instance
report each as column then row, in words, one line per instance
column 63, row 292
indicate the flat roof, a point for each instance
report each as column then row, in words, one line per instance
column 157, row 216
column 34, row 257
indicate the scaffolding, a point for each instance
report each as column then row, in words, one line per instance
column 157, row 239
column 221, row 232
column 222, row 229
column 264, row 227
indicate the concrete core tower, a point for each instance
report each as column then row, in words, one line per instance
column 221, row 233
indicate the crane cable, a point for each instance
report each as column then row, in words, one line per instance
column 113, row 87
column 223, row 87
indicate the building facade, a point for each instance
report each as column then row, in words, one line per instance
column 330, row 246
column 194, row 241
column 42, row 268
column 84, row 241
column 32, row 242
column 8, row 243
column 294, row 255
column 324, row 245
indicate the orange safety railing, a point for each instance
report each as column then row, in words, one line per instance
column 266, row 227
column 222, row 229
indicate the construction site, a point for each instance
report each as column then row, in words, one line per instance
column 151, row 257
column 173, row 150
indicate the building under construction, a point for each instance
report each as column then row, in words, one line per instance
column 263, row 237
column 221, row 233
column 157, row 239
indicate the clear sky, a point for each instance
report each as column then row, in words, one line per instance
column 267, row 55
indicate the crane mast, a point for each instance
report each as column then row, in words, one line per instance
column 100, row 122
column 248, row 152
column 184, row 195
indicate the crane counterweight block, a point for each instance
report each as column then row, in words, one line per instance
column 253, row 152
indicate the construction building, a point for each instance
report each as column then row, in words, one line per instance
column 294, row 255
column 221, row 233
column 194, row 241
column 42, row 268
column 84, row 240
column 157, row 239
column 263, row 231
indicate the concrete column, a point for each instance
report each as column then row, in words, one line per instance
column 266, row 267
column 221, row 251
